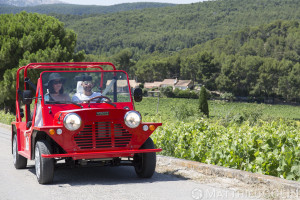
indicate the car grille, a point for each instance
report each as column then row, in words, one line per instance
column 102, row 135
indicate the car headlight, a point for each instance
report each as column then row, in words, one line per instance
column 72, row 121
column 132, row 119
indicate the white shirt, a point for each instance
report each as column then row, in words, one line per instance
column 79, row 97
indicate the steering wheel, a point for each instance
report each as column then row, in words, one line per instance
column 99, row 97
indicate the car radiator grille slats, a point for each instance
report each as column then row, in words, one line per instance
column 122, row 136
column 102, row 135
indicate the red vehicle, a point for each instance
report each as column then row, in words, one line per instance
column 79, row 113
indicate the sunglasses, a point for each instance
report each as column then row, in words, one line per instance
column 88, row 82
column 57, row 82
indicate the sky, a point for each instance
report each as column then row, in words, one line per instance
column 113, row 2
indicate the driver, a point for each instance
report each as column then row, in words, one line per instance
column 87, row 94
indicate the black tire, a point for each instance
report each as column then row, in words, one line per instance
column 20, row 162
column 44, row 167
column 145, row 163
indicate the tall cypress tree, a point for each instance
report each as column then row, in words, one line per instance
column 203, row 105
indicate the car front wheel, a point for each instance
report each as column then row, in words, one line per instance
column 145, row 163
column 20, row 162
column 44, row 167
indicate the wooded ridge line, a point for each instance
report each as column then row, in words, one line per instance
column 247, row 48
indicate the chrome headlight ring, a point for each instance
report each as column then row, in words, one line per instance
column 132, row 119
column 72, row 121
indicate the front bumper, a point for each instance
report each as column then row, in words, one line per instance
column 101, row 154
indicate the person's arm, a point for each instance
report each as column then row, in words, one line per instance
column 75, row 98
column 103, row 99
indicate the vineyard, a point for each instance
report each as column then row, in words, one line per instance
column 247, row 136
column 252, row 137
column 171, row 110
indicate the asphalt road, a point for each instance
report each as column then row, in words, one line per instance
column 97, row 183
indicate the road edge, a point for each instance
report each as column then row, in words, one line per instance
column 5, row 126
column 218, row 171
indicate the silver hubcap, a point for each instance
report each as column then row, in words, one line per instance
column 15, row 150
column 37, row 162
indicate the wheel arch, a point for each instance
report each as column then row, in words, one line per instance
column 41, row 135
column 36, row 136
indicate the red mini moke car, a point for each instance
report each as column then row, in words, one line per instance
column 81, row 114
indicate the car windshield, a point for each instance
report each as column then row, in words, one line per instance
column 85, row 86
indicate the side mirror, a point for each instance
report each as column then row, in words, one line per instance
column 27, row 97
column 138, row 95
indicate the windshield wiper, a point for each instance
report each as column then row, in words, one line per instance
column 63, row 102
column 75, row 104
column 114, row 105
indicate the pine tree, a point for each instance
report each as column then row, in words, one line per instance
column 203, row 105
column 31, row 38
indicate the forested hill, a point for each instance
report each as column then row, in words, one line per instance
column 247, row 48
column 69, row 9
column 177, row 27
column 262, row 61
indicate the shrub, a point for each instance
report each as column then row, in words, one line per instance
column 194, row 95
column 6, row 118
column 227, row 96
column 145, row 92
column 142, row 85
column 203, row 105
column 167, row 91
column 176, row 92
column 184, row 94
column 188, row 94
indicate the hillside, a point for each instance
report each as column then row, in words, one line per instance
column 69, row 9
column 234, row 46
column 174, row 28
column 260, row 61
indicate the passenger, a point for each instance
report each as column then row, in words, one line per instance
column 55, row 88
column 87, row 93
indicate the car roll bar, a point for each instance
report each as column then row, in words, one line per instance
column 70, row 65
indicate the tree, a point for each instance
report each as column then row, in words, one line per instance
column 267, row 82
column 203, row 105
column 289, row 85
column 124, row 60
column 200, row 67
column 27, row 38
